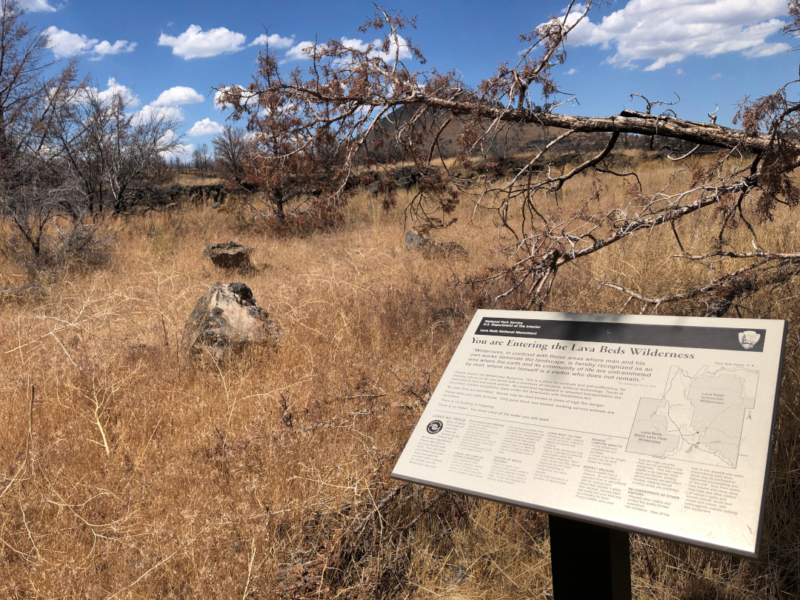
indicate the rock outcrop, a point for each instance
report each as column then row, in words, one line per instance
column 230, row 255
column 227, row 318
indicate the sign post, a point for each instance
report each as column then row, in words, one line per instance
column 611, row 424
column 589, row 561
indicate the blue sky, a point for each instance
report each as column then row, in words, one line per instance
column 173, row 52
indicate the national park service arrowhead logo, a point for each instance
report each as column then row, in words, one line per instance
column 434, row 427
column 748, row 339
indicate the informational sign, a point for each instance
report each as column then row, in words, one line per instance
column 659, row 425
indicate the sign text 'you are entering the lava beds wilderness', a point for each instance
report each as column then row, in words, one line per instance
column 658, row 425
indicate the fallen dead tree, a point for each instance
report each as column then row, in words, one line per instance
column 742, row 187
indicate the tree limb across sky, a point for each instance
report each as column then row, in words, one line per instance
column 372, row 111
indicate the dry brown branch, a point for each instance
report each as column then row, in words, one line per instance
column 725, row 291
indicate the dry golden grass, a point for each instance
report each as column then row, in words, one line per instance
column 128, row 470
column 196, row 179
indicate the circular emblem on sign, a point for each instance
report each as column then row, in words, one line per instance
column 434, row 427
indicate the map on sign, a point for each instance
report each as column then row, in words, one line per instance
column 699, row 417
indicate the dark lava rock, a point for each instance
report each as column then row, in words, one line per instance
column 230, row 255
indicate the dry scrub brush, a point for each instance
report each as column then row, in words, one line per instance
column 138, row 472
column 128, row 470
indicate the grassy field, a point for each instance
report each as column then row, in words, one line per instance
column 130, row 470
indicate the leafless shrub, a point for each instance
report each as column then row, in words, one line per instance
column 296, row 169
column 68, row 157
column 112, row 158
column 230, row 151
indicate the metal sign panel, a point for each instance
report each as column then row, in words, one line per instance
column 659, row 425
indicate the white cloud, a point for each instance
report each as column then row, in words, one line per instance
column 66, row 44
column 130, row 99
column 298, row 51
column 357, row 44
column 196, row 43
column 667, row 31
column 181, row 151
column 36, row 5
column 716, row 76
column 679, row 72
column 167, row 105
column 175, row 96
column 113, row 88
column 390, row 53
column 767, row 50
column 570, row 72
column 105, row 48
column 150, row 112
column 218, row 103
column 275, row 41
column 205, row 127
column 169, row 137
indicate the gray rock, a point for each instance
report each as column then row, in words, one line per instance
column 227, row 318
column 415, row 240
column 230, row 255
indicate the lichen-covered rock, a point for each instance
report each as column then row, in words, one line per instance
column 227, row 318
column 230, row 255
